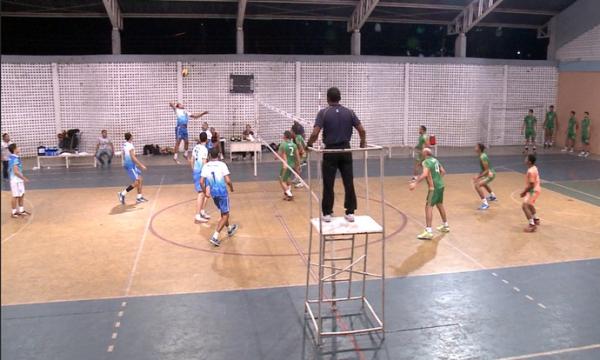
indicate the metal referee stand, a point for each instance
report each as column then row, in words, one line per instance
column 335, row 271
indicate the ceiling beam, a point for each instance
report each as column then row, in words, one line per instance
column 241, row 13
column 114, row 13
column 361, row 13
column 471, row 15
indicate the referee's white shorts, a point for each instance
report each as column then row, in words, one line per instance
column 17, row 188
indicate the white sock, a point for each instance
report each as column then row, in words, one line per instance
column 446, row 224
column 21, row 209
column 202, row 212
column 484, row 201
column 492, row 194
column 531, row 221
column 139, row 196
column 428, row 229
column 124, row 192
column 198, row 217
column 216, row 235
column 14, row 211
column 535, row 217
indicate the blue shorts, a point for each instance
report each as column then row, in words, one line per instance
column 222, row 203
column 134, row 173
column 181, row 133
column 196, row 177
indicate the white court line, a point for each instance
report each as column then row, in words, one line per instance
column 26, row 224
column 516, row 289
column 504, row 281
column 557, row 184
column 553, row 352
column 529, row 297
column 139, row 251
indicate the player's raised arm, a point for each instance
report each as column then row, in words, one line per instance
column 199, row 115
column 173, row 105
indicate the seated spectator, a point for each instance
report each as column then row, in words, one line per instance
column 62, row 141
column 248, row 135
column 104, row 148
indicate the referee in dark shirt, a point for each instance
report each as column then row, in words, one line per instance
column 337, row 122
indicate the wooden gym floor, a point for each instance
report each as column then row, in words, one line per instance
column 81, row 246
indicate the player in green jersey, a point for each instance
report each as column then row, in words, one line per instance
column 289, row 153
column 423, row 143
column 586, row 131
column 299, row 141
column 550, row 126
column 528, row 128
column 485, row 177
column 433, row 172
column 571, row 133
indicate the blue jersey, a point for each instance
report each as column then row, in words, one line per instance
column 12, row 161
column 182, row 117
column 127, row 160
column 214, row 173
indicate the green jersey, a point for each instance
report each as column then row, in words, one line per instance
column 585, row 127
column 434, row 166
column 530, row 122
column 290, row 149
column 550, row 119
column 422, row 141
column 484, row 159
column 572, row 123
column 300, row 141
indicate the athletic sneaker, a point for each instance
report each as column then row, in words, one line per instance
column 199, row 219
column 205, row 215
column 121, row 198
column 349, row 217
column 536, row 221
column 587, row 153
column 571, row 150
column 425, row 235
column 15, row 215
column 530, row 228
column 232, row 230
column 581, row 154
column 327, row 218
column 141, row 200
column 299, row 185
column 443, row 228
column 483, row 207
column 213, row 240
column 24, row 213
column 288, row 193
column 176, row 160
column 492, row 198
column 564, row 150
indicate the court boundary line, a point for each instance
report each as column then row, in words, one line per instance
column 283, row 285
column 559, row 185
column 142, row 242
column 24, row 226
column 552, row 352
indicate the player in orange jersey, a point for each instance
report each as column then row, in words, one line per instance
column 531, row 193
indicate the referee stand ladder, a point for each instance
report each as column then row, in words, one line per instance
column 339, row 303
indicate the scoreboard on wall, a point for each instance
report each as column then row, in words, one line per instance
column 241, row 84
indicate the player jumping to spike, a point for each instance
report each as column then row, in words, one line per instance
column 181, row 133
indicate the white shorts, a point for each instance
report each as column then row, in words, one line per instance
column 17, row 188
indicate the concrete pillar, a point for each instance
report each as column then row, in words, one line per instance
column 355, row 44
column 116, row 41
column 551, row 51
column 460, row 45
column 239, row 41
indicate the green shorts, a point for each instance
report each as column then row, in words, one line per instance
column 488, row 179
column 285, row 174
column 435, row 196
column 571, row 135
column 585, row 139
column 529, row 134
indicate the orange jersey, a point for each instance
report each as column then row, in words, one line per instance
column 533, row 176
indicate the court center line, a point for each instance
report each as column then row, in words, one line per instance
column 141, row 247
column 26, row 224
column 553, row 352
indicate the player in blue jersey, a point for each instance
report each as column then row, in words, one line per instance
column 132, row 166
column 183, row 116
column 197, row 161
column 215, row 180
column 17, row 181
